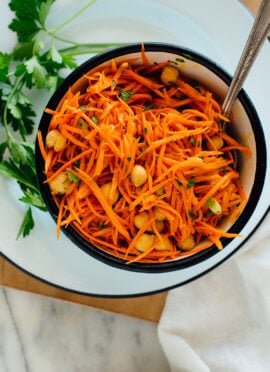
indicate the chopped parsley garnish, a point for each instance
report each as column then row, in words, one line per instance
column 180, row 59
column 170, row 61
column 126, row 94
column 214, row 206
column 191, row 182
column 129, row 158
column 192, row 141
column 114, row 83
column 160, row 191
column 72, row 177
column 191, row 215
column 179, row 183
column 148, row 107
column 94, row 119
column 187, row 56
column 84, row 108
column 145, row 130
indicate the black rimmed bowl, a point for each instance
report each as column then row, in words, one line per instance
column 247, row 129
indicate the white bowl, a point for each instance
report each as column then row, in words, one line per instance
column 246, row 129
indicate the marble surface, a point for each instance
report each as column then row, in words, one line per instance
column 39, row 334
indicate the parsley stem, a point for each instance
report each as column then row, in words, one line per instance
column 37, row 43
column 90, row 51
column 14, row 89
column 61, row 39
column 73, row 17
column 78, row 45
column 90, row 45
column 91, row 48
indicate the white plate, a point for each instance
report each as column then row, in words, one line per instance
column 217, row 29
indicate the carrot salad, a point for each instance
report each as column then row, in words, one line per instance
column 139, row 163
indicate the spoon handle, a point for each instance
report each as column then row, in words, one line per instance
column 258, row 34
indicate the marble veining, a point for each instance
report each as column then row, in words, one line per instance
column 38, row 334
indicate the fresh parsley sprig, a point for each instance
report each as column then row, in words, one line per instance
column 35, row 63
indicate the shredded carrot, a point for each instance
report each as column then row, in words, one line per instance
column 41, row 145
column 144, row 58
column 127, row 117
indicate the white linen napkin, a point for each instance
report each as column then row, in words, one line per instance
column 221, row 321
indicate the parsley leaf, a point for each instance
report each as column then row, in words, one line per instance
column 68, row 61
column 27, row 224
column 191, row 215
column 179, row 182
column 54, row 55
column 187, row 56
column 3, row 147
column 192, row 141
column 191, row 182
column 23, row 50
column 9, row 169
column 33, row 198
column 148, row 107
column 38, row 73
column 125, row 94
column 44, row 10
column 72, row 177
column 4, row 65
column 94, row 118
column 30, row 17
column 21, row 152
column 180, row 59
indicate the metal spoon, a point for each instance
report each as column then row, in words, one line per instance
column 257, row 36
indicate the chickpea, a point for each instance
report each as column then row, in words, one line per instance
column 166, row 245
column 159, row 226
column 169, row 74
column 187, row 244
column 216, row 143
column 141, row 219
column 56, row 140
column 138, row 175
column 106, row 190
column 60, row 184
column 145, row 242
column 159, row 216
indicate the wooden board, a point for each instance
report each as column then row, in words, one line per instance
column 148, row 307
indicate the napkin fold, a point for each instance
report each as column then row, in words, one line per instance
column 221, row 321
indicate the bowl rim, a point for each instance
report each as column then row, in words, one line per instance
column 255, row 193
